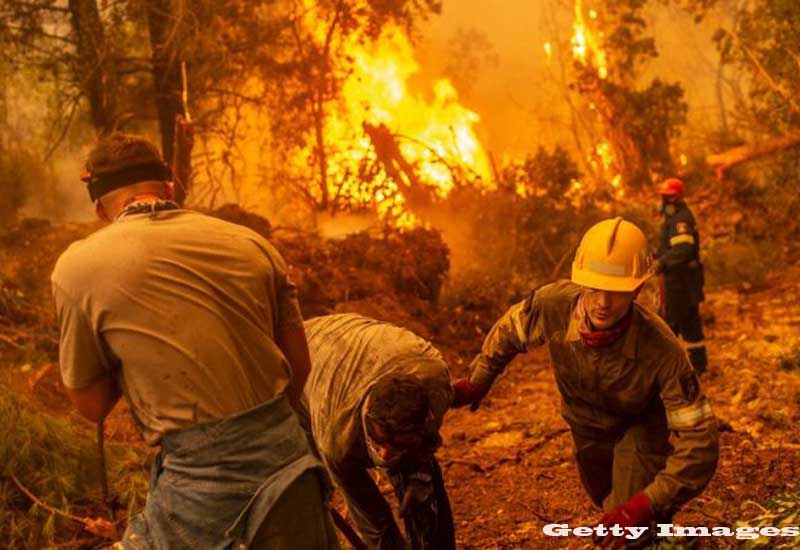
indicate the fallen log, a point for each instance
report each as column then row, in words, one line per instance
column 722, row 162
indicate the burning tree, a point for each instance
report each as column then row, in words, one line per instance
column 634, row 124
column 353, row 121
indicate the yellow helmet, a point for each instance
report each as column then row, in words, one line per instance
column 612, row 256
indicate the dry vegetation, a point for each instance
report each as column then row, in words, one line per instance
column 508, row 467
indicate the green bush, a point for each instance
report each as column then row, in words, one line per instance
column 58, row 461
column 782, row 510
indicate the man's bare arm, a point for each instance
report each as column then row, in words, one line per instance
column 291, row 339
column 96, row 400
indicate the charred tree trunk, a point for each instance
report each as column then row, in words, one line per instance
column 397, row 167
column 162, row 22
column 627, row 157
column 726, row 160
column 318, row 113
column 94, row 63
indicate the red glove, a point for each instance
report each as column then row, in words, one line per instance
column 466, row 393
column 637, row 512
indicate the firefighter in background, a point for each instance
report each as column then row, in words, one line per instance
column 678, row 259
column 645, row 437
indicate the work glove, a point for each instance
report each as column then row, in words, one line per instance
column 637, row 512
column 467, row 393
column 418, row 491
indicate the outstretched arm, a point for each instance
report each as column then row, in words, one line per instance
column 695, row 438
column 519, row 329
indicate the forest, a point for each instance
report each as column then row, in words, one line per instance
column 426, row 163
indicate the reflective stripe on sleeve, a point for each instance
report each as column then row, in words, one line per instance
column 691, row 416
column 517, row 320
column 680, row 239
column 696, row 345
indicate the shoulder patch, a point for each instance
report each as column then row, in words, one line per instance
column 690, row 386
column 681, row 227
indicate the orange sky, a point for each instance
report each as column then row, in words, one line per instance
column 520, row 99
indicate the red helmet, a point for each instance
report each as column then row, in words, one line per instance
column 671, row 187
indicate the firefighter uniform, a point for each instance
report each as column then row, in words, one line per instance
column 679, row 261
column 638, row 417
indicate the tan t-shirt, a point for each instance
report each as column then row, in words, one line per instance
column 183, row 308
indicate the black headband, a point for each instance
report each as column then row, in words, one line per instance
column 100, row 184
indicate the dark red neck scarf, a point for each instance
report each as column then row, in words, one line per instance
column 594, row 338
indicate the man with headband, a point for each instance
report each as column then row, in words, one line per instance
column 196, row 322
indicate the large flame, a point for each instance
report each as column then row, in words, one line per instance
column 431, row 136
column 586, row 44
column 588, row 50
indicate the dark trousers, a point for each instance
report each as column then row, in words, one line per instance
column 684, row 320
column 428, row 520
column 614, row 468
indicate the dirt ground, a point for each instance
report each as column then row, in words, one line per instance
column 509, row 467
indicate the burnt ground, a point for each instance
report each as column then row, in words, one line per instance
column 509, row 467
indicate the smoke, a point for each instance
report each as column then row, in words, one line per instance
column 61, row 196
column 519, row 90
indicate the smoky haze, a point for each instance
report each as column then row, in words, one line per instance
column 505, row 75
column 493, row 51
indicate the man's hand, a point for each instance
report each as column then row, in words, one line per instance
column 418, row 491
column 637, row 512
column 96, row 400
column 291, row 340
column 466, row 393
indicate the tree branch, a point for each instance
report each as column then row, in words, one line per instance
column 765, row 74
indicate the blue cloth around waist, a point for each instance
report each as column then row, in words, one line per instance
column 214, row 484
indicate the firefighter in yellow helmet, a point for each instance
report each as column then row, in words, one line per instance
column 645, row 437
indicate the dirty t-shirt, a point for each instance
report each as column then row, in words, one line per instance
column 349, row 354
column 183, row 309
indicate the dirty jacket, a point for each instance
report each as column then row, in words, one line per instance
column 679, row 254
column 605, row 390
column 349, row 353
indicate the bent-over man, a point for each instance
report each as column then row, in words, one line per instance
column 376, row 398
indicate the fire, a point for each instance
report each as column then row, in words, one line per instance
column 586, row 46
column 384, row 141
column 588, row 51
